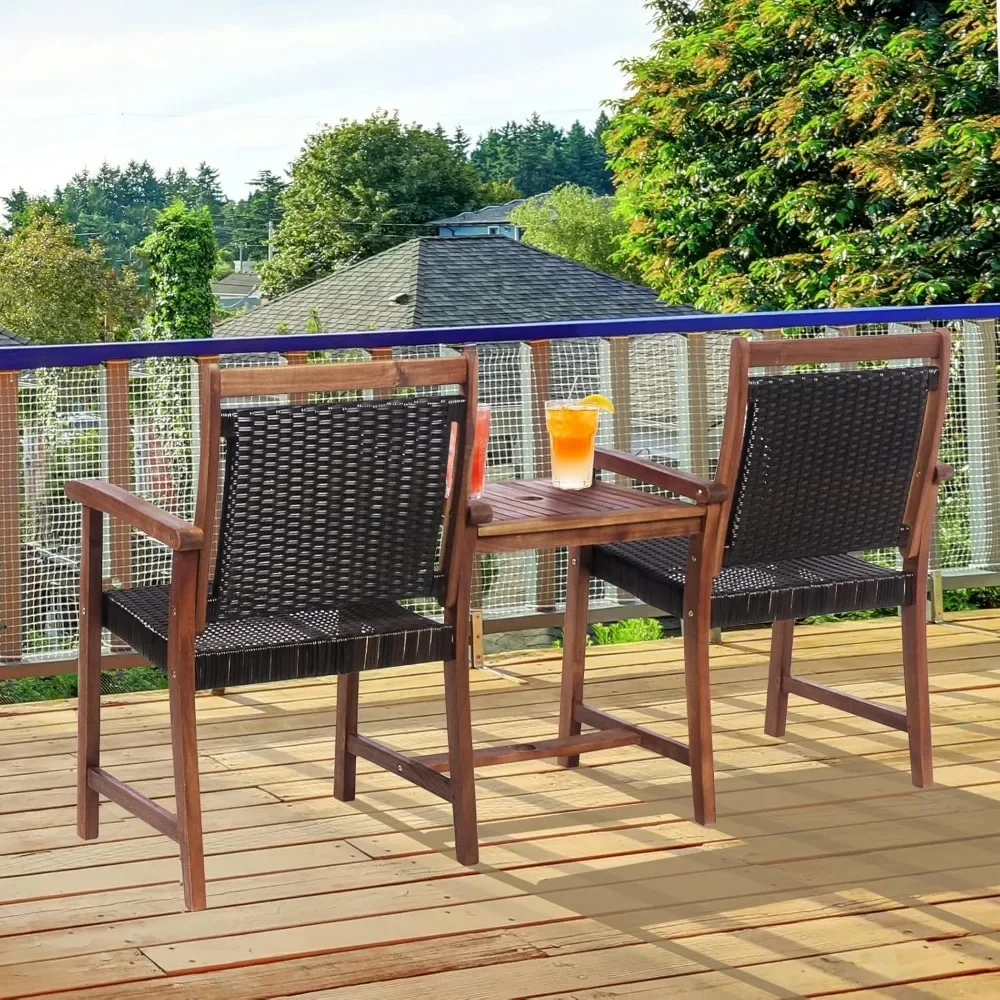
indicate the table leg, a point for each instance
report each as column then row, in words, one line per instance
column 574, row 646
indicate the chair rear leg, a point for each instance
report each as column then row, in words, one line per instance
column 574, row 647
column 776, row 714
column 345, row 763
column 917, row 687
column 89, row 674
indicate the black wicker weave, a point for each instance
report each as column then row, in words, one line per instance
column 330, row 515
column 343, row 640
column 826, row 468
column 654, row 571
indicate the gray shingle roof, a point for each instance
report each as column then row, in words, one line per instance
column 438, row 281
column 8, row 339
column 236, row 283
column 492, row 214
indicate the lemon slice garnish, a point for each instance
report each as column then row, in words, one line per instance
column 601, row 402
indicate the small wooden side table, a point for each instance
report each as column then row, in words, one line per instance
column 533, row 514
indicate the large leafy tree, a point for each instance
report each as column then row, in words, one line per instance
column 791, row 153
column 248, row 220
column 55, row 291
column 181, row 256
column 537, row 156
column 574, row 222
column 361, row 187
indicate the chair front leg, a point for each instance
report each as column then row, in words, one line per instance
column 458, row 709
column 574, row 646
column 89, row 673
column 776, row 714
column 697, row 633
column 917, row 685
column 183, row 725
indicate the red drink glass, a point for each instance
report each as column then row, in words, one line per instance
column 477, row 474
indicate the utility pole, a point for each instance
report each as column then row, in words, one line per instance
column 270, row 223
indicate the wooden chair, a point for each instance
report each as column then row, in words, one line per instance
column 814, row 467
column 331, row 513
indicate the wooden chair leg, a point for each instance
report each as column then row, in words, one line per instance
column 917, row 687
column 89, row 673
column 462, row 772
column 345, row 763
column 183, row 726
column 697, row 629
column 574, row 647
column 776, row 714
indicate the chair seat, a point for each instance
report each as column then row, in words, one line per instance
column 341, row 640
column 654, row 572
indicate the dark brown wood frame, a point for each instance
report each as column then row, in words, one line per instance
column 193, row 548
column 705, row 561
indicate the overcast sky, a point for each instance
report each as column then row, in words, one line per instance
column 240, row 83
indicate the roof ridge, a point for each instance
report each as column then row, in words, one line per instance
column 295, row 291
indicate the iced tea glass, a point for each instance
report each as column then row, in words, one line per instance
column 572, row 432
column 477, row 474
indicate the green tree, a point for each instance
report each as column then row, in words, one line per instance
column 537, row 156
column 54, row 291
column 784, row 153
column 575, row 223
column 361, row 187
column 247, row 220
column 181, row 256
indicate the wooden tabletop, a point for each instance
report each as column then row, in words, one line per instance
column 532, row 513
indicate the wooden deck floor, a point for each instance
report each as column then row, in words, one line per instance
column 827, row 873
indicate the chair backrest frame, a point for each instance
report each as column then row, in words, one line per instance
column 297, row 381
column 934, row 348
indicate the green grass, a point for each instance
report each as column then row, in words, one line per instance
column 27, row 689
column 617, row 633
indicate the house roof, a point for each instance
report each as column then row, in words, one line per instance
column 8, row 339
column 492, row 214
column 236, row 283
column 437, row 281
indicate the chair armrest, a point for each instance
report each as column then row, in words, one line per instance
column 480, row 512
column 681, row 483
column 942, row 472
column 180, row 535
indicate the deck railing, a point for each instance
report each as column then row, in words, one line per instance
column 127, row 412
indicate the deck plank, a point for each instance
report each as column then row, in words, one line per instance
column 827, row 871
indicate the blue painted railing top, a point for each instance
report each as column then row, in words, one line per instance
column 77, row 355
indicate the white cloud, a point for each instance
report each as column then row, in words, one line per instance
column 240, row 83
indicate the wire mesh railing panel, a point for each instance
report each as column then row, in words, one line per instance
column 136, row 424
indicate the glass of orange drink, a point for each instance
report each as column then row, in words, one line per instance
column 572, row 430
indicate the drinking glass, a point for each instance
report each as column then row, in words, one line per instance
column 477, row 474
column 572, row 432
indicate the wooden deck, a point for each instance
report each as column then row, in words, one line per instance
column 827, row 873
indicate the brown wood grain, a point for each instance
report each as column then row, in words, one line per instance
column 207, row 500
column 665, row 746
column 10, row 521
column 179, row 535
column 89, row 671
column 823, row 695
column 681, row 483
column 119, row 465
column 779, row 671
column 574, row 656
column 541, row 749
column 345, row 761
column 406, row 767
column 100, row 782
column 340, row 377
column 826, row 350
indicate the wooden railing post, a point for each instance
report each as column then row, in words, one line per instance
column 10, row 521
column 621, row 390
column 298, row 358
column 119, row 465
column 541, row 375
